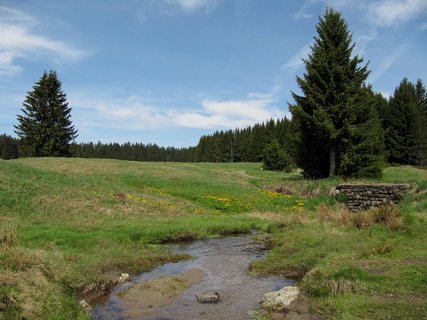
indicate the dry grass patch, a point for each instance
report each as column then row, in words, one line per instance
column 338, row 214
column 339, row 286
column 389, row 215
column 8, row 236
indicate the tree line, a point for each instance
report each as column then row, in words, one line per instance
column 244, row 145
column 339, row 124
column 133, row 152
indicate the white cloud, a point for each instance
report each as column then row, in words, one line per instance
column 230, row 114
column 391, row 12
column 7, row 67
column 18, row 40
column 133, row 113
column 191, row 6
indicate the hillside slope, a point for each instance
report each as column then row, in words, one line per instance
column 69, row 227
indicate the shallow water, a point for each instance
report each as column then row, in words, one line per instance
column 225, row 262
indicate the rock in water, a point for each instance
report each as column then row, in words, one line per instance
column 278, row 300
column 208, row 297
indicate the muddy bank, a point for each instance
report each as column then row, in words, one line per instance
column 147, row 298
column 223, row 262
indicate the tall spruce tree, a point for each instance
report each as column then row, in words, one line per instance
column 325, row 114
column 45, row 128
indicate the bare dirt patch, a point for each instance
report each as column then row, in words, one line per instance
column 146, row 298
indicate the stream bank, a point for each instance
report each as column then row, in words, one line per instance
column 168, row 292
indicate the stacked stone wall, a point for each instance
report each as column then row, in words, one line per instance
column 364, row 196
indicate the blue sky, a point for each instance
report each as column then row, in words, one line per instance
column 168, row 71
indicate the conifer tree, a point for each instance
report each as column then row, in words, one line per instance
column 421, row 94
column 325, row 112
column 275, row 158
column 404, row 125
column 362, row 154
column 45, row 127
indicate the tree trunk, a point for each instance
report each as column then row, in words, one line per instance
column 332, row 160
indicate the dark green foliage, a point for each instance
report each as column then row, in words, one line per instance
column 327, row 113
column 421, row 94
column 246, row 145
column 275, row 158
column 134, row 152
column 8, row 147
column 45, row 127
column 363, row 148
column 405, row 124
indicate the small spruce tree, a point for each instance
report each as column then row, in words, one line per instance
column 275, row 158
column 45, row 128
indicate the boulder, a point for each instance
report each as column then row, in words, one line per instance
column 86, row 306
column 208, row 297
column 279, row 300
column 123, row 277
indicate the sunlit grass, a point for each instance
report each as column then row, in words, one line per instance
column 81, row 222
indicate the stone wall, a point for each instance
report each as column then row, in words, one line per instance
column 364, row 196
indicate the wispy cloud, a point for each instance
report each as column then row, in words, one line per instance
column 189, row 6
column 133, row 113
column 379, row 12
column 288, row 69
column 296, row 61
column 307, row 11
column 303, row 11
column 388, row 62
column 7, row 66
column 19, row 40
column 363, row 38
column 424, row 26
column 391, row 12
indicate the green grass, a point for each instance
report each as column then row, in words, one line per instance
column 70, row 224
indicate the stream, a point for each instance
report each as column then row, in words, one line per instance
column 219, row 264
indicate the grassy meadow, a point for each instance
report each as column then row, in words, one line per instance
column 70, row 226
